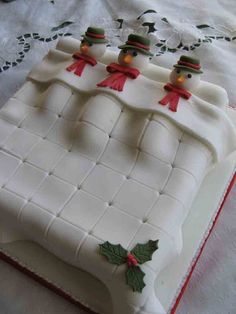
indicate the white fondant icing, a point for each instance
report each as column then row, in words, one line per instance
column 26, row 180
column 74, row 186
column 53, row 194
column 65, row 168
column 45, row 155
column 84, row 210
column 9, row 234
column 8, row 165
column 16, row 146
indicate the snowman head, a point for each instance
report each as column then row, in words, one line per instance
column 135, row 53
column 186, row 73
column 94, row 42
column 134, row 59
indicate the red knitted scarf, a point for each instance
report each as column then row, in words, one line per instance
column 119, row 74
column 173, row 96
column 80, row 63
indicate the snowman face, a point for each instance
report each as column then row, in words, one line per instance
column 185, row 79
column 134, row 59
column 93, row 50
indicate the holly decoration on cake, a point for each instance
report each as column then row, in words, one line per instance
column 132, row 60
column 184, row 78
column 139, row 255
column 92, row 48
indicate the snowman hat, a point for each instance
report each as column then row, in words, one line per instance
column 190, row 64
column 95, row 35
column 139, row 43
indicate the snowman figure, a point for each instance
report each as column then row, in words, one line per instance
column 184, row 79
column 92, row 48
column 132, row 60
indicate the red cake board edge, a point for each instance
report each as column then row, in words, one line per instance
column 8, row 259
column 69, row 298
column 173, row 310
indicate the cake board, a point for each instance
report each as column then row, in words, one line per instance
column 83, row 289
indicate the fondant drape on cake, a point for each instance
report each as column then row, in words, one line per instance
column 201, row 118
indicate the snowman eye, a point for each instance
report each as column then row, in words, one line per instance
column 124, row 50
column 178, row 71
column 82, row 41
column 90, row 44
column 134, row 54
column 189, row 75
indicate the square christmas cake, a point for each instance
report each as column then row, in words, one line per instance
column 112, row 173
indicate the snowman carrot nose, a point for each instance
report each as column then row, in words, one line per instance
column 128, row 59
column 180, row 79
column 84, row 48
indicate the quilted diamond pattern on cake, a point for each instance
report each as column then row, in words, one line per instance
column 120, row 226
column 15, row 111
column 39, row 121
column 64, row 237
column 45, row 155
column 26, row 180
column 102, row 112
column 30, row 93
column 119, row 156
column 19, row 147
column 169, row 125
column 83, row 210
column 135, row 199
column 90, row 141
column 87, row 259
column 74, row 107
column 62, row 133
column 165, row 144
column 94, row 171
column 130, row 126
column 167, row 213
column 65, row 169
column 11, row 204
column 53, row 100
column 190, row 158
column 7, row 129
column 184, row 191
column 53, row 194
column 8, row 165
column 151, row 171
column 36, row 219
column 193, row 141
column 103, row 182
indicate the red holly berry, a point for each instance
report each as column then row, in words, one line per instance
column 131, row 260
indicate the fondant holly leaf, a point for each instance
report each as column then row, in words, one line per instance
column 115, row 253
column 134, row 278
column 143, row 252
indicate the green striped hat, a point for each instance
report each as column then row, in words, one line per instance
column 139, row 43
column 190, row 64
column 95, row 35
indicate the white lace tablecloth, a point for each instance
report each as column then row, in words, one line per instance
column 205, row 29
